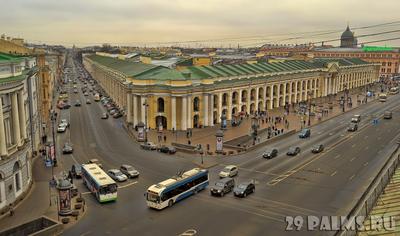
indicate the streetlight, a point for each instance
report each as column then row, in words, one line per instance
column 146, row 105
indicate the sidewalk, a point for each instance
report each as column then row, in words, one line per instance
column 295, row 121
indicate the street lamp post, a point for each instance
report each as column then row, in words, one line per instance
column 145, row 119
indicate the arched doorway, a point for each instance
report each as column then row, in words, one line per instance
column 196, row 121
column 161, row 121
column 252, row 108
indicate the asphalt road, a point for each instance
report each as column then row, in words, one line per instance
column 308, row 184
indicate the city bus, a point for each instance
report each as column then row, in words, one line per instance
column 382, row 97
column 172, row 190
column 394, row 90
column 99, row 183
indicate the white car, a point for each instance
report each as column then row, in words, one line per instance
column 117, row 175
column 61, row 128
column 65, row 122
column 229, row 171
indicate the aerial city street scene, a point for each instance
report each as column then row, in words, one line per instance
column 199, row 118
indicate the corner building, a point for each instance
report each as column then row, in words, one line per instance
column 197, row 96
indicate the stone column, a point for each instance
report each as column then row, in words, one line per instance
column 284, row 94
column 248, row 101
column 183, row 114
column 271, row 97
column 143, row 109
column 135, row 110
column 205, row 110
column 219, row 107
column 256, row 100
column 3, row 147
column 326, row 87
column 129, row 107
column 173, row 113
column 229, row 107
column 189, row 112
column 295, row 92
column 211, row 114
column 22, row 116
column 278, row 95
column 16, row 127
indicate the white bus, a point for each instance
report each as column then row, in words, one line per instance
column 394, row 90
column 172, row 190
column 99, row 183
column 382, row 97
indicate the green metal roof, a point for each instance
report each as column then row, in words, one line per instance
column 128, row 68
column 10, row 58
column 145, row 71
column 15, row 78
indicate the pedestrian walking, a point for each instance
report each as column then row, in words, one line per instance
column 11, row 210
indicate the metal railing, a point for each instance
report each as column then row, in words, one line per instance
column 371, row 195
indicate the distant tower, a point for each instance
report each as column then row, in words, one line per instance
column 348, row 40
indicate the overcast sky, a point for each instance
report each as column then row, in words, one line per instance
column 85, row 22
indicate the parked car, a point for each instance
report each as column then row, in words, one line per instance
column 85, row 94
column 129, row 171
column 75, row 90
column 66, row 106
column 148, row 146
column 61, row 128
column 95, row 161
column 356, row 119
column 387, row 115
column 293, row 151
column 64, row 121
column 244, row 189
column 222, row 187
column 117, row 115
column 67, row 149
column 317, row 148
column 305, row 133
column 76, row 171
column 104, row 116
column 166, row 149
column 77, row 103
column 113, row 111
column 88, row 101
column 229, row 171
column 117, row 175
column 352, row 127
column 270, row 153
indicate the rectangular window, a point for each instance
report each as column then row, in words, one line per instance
column 383, row 63
column 389, row 70
column 389, row 64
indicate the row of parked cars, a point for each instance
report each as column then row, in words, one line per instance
column 226, row 184
column 111, row 108
column 164, row 149
column 122, row 174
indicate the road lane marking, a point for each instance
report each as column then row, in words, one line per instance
column 330, row 134
column 334, row 173
column 336, row 157
column 366, row 148
column 189, row 232
column 127, row 185
column 352, row 159
column 353, row 145
column 366, row 136
column 366, row 163
column 352, row 177
column 379, row 138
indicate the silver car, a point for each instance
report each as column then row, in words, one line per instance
column 117, row 175
column 228, row 171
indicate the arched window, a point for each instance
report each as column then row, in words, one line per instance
column 160, row 105
column 196, row 104
column 17, row 176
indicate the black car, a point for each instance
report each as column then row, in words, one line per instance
column 269, row 154
column 76, row 171
column 77, row 103
column 222, row 187
column 66, row 106
column 352, row 127
column 293, row 151
column 67, row 149
column 244, row 189
column 166, row 149
column 317, row 148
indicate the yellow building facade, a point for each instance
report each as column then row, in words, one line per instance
column 199, row 95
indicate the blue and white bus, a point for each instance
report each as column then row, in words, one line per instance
column 172, row 190
column 99, row 183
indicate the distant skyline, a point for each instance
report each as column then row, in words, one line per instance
column 151, row 22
